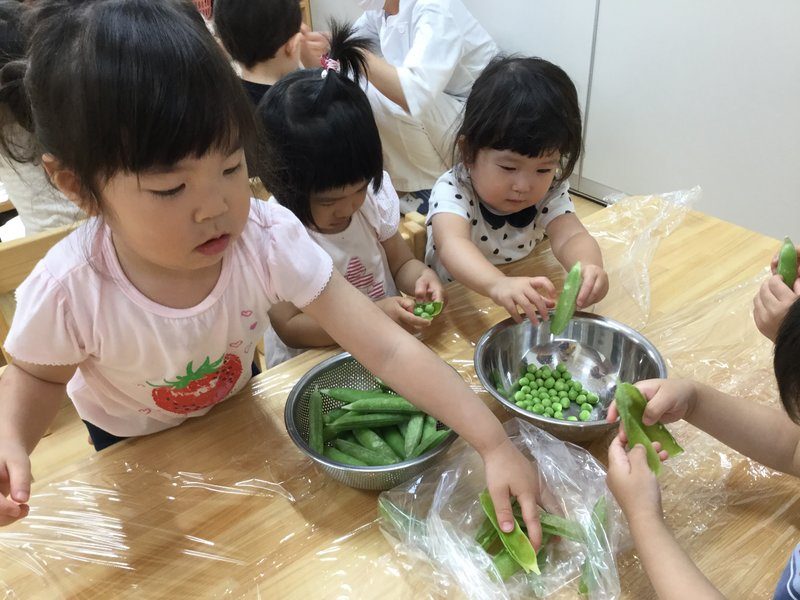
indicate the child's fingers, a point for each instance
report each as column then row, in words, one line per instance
column 19, row 478
column 638, row 460
column 408, row 319
column 617, row 456
column 422, row 290
column 613, row 413
column 536, row 300
column 502, row 508
column 530, row 514
column 513, row 311
column 782, row 292
column 10, row 511
column 529, row 309
column 544, row 286
column 587, row 286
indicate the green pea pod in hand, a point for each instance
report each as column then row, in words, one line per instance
column 630, row 405
column 787, row 262
column 428, row 310
column 567, row 301
column 516, row 542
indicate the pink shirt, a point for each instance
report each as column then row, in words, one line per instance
column 145, row 367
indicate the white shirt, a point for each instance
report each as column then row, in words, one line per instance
column 437, row 47
column 453, row 193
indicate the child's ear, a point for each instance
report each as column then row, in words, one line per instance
column 67, row 183
column 292, row 47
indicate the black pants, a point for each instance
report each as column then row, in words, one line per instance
column 102, row 439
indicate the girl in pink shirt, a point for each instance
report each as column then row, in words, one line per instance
column 149, row 313
column 346, row 200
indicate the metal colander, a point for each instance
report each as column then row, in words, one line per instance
column 345, row 371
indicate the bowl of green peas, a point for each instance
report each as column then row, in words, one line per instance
column 564, row 383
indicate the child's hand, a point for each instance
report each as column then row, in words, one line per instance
column 774, row 263
column 771, row 304
column 668, row 400
column 528, row 293
column 15, row 482
column 429, row 287
column 509, row 473
column 313, row 44
column 401, row 311
column 594, row 287
column 632, row 482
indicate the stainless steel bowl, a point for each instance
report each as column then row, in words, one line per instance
column 345, row 371
column 599, row 352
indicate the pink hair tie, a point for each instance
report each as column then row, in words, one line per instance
column 329, row 63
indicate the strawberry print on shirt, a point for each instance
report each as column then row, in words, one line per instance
column 199, row 389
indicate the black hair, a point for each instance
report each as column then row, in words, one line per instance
column 785, row 362
column 124, row 85
column 12, row 48
column 523, row 104
column 317, row 129
column 252, row 31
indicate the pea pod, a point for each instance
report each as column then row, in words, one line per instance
column 348, row 395
column 588, row 580
column 555, row 525
column 353, row 420
column 565, row 307
column 413, row 435
column 515, row 542
column 393, row 437
column 787, row 262
column 390, row 404
column 430, row 442
column 315, row 422
column 506, row 565
column 631, row 404
column 369, row 439
column 370, row 457
column 428, row 310
column 486, row 534
column 330, row 416
column 429, row 428
column 341, row 457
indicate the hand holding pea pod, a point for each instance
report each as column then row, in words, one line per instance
column 594, row 287
column 771, row 303
column 529, row 294
column 401, row 311
column 428, row 287
column 784, row 263
column 632, row 482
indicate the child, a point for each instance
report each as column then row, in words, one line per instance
column 263, row 37
column 149, row 313
column 325, row 165
column 769, row 436
column 510, row 189
column 428, row 54
column 39, row 205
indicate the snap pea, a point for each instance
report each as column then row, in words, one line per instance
column 631, row 404
column 339, row 456
column 330, row 416
column 357, row 421
column 787, row 262
column 506, row 565
column 429, row 442
column 565, row 307
column 429, row 428
column 486, row 534
column 370, row 457
column 413, row 435
column 390, row 404
column 555, row 525
column 394, row 438
column 315, row 422
column 515, row 542
column 428, row 310
column 348, row 395
column 372, row 441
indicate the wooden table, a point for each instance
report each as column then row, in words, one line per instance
column 226, row 505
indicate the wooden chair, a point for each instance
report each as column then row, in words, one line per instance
column 414, row 232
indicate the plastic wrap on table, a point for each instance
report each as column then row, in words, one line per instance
column 437, row 514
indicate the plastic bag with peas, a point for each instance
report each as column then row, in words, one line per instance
column 436, row 516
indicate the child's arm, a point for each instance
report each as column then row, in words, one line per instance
column 30, row 396
column 296, row 329
column 765, row 434
column 570, row 243
column 671, row 571
column 418, row 374
column 410, row 275
column 469, row 266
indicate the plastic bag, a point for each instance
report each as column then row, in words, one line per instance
column 437, row 515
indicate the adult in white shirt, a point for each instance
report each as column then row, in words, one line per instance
column 427, row 55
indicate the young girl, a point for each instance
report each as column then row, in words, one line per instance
column 324, row 163
column 510, row 189
column 769, row 436
column 149, row 313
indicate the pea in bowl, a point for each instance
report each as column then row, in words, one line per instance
column 587, row 359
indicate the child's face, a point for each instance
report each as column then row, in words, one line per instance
column 509, row 182
column 333, row 209
column 180, row 219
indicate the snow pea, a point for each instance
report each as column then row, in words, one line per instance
column 631, row 404
column 330, row 416
column 390, row 404
column 371, row 440
column 506, row 565
column 430, row 442
column 315, row 422
column 413, row 434
column 357, row 421
column 370, row 457
column 787, row 262
column 565, row 307
column 393, row 437
column 515, row 542
column 339, row 456
column 429, row 428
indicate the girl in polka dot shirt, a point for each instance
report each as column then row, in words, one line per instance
column 518, row 143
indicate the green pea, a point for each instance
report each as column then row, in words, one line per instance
column 531, row 368
column 549, row 411
column 553, row 393
column 429, row 308
column 519, row 395
column 572, row 418
column 587, row 407
column 525, row 389
column 418, row 310
column 562, row 394
column 565, row 403
column 539, row 382
column 538, row 408
column 561, row 368
column 572, row 394
column 528, row 397
column 546, row 402
column 426, row 315
column 549, row 382
column 524, row 381
column 566, row 376
column 581, row 399
column 542, row 393
column 592, row 398
column 576, row 385
column 585, row 415
column 559, row 386
column 558, row 415
column 521, row 403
